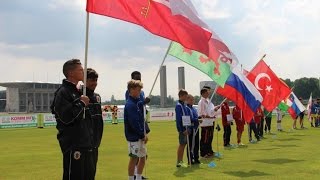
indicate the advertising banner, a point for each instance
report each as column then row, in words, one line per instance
column 17, row 121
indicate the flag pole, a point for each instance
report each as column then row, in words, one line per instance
column 164, row 58
column 86, row 56
column 214, row 92
column 144, row 107
column 86, row 60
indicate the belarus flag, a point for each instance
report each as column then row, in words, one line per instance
column 242, row 92
column 176, row 20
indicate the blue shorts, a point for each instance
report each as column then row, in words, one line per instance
column 182, row 139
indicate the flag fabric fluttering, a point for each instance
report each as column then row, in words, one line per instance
column 296, row 106
column 283, row 106
column 309, row 107
column 176, row 20
column 217, row 66
column 272, row 89
column 242, row 92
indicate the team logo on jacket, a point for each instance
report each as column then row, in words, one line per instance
column 98, row 99
column 76, row 155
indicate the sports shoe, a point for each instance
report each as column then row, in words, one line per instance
column 142, row 177
column 181, row 164
column 208, row 155
column 253, row 141
column 197, row 161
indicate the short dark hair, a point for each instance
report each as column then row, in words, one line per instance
column 69, row 66
column 92, row 74
column 182, row 92
column 207, row 87
column 203, row 90
column 134, row 73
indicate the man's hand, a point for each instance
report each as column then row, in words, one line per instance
column 85, row 99
column 146, row 100
column 145, row 139
column 185, row 132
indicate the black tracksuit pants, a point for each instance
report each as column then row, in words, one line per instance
column 206, row 140
column 78, row 165
column 193, row 143
column 226, row 135
column 268, row 124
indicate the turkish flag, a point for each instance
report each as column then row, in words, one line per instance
column 272, row 89
column 172, row 19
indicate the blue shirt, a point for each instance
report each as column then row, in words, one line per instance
column 181, row 110
column 314, row 108
column 141, row 95
column 133, row 119
column 318, row 108
column 141, row 98
column 193, row 116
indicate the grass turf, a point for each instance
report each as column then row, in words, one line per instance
column 34, row 154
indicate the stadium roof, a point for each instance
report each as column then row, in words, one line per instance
column 27, row 84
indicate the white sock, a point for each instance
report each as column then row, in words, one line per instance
column 135, row 170
column 131, row 177
column 279, row 126
column 138, row 177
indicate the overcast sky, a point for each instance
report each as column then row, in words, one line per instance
column 38, row 36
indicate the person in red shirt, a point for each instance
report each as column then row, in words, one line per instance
column 258, row 119
column 237, row 115
column 253, row 125
column 225, row 110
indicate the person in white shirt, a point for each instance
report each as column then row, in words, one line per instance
column 206, row 111
column 279, row 118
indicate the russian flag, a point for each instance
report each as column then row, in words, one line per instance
column 242, row 92
column 296, row 107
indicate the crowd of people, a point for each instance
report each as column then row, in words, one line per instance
column 80, row 125
column 205, row 118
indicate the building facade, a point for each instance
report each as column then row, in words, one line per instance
column 29, row 96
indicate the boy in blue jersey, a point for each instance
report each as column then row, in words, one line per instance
column 136, row 75
column 134, row 129
column 181, row 110
column 194, row 135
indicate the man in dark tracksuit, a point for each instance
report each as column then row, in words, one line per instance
column 95, row 111
column 75, row 132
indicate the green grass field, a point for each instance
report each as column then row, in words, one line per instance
column 34, row 154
